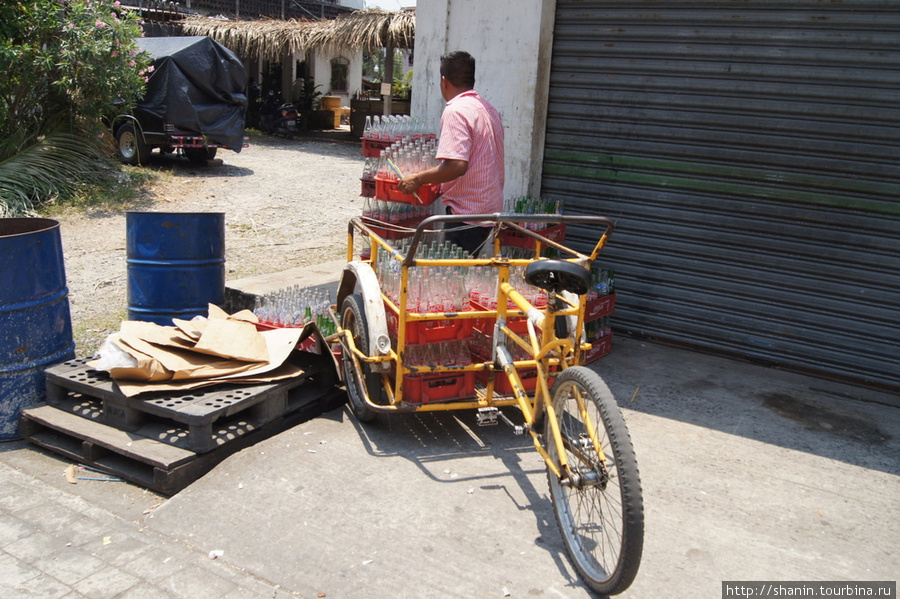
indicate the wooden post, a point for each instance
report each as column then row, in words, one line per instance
column 288, row 74
column 388, row 77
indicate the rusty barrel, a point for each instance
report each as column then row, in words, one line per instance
column 35, row 322
column 176, row 264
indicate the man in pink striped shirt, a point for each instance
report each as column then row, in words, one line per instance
column 471, row 170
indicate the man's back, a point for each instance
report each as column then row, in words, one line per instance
column 471, row 130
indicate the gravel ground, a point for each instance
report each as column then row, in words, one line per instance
column 286, row 204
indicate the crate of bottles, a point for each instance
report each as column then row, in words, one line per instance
column 426, row 332
column 423, row 332
column 516, row 324
column 438, row 387
column 599, row 348
column 372, row 148
column 599, row 307
column 367, row 187
column 395, row 230
column 532, row 206
column 294, row 307
column 380, row 132
column 386, row 189
column 502, row 385
column 510, row 237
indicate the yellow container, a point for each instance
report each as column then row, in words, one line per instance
column 333, row 103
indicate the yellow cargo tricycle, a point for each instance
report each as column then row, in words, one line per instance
column 424, row 327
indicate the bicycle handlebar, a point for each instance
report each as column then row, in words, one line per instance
column 511, row 219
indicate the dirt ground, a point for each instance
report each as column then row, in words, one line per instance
column 286, row 204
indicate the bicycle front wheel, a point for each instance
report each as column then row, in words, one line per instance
column 598, row 508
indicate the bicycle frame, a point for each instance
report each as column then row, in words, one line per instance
column 571, row 414
column 546, row 351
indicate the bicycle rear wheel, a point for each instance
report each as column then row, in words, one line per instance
column 599, row 509
column 353, row 318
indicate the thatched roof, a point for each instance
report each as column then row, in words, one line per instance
column 272, row 38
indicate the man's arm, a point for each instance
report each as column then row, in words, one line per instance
column 447, row 170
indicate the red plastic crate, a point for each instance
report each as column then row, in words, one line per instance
column 391, row 232
column 368, row 188
column 516, row 324
column 501, row 379
column 513, row 238
column 372, row 148
column 601, row 347
column 423, row 332
column 386, row 189
column 504, row 387
column 597, row 308
column 443, row 386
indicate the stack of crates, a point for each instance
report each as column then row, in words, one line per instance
column 601, row 302
column 438, row 341
column 376, row 188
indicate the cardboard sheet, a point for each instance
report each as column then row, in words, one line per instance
column 202, row 352
column 232, row 339
column 134, row 388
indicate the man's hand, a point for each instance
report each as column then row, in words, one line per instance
column 409, row 184
column 447, row 170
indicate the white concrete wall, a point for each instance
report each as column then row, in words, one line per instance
column 511, row 41
column 321, row 71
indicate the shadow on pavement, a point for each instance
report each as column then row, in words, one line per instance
column 435, row 441
column 790, row 410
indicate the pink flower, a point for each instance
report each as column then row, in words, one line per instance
column 114, row 53
column 131, row 63
column 71, row 25
column 151, row 68
column 117, row 4
column 100, row 23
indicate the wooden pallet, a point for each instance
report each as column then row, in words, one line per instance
column 165, row 445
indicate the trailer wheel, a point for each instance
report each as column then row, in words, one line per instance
column 360, row 380
column 130, row 146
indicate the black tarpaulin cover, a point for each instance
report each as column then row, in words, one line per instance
column 197, row 85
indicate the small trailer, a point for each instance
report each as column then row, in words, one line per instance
column 196, row 102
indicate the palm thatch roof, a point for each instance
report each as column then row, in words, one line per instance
column 271, row 39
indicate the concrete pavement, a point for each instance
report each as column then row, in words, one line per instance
column 748, row 472
column 54, row 544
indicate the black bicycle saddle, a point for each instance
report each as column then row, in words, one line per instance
column 558, row 275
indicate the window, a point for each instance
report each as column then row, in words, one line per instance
column 340, row 73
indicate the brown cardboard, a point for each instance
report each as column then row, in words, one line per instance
column 203, row 352
column 233, row 339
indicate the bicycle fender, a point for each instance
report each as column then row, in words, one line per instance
column 359, row 277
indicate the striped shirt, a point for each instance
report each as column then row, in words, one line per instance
column 471, row 130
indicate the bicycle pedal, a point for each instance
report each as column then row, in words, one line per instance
column 487, row 416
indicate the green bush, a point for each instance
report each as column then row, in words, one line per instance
column 66, row 66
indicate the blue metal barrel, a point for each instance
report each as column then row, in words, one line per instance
column 35, row 322
column 176, row 264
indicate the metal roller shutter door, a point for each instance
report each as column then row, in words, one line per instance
column 750, row 154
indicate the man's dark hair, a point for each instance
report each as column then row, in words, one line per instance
column 459, row 69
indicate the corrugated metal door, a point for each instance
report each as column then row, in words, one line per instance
column 750, row 153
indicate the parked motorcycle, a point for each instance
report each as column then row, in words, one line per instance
column 277, row 119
